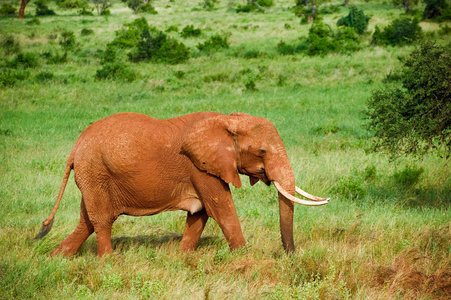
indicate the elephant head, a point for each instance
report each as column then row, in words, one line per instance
column 228, row 145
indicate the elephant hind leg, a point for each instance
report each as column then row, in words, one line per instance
column 195, row 224
column 73, row 242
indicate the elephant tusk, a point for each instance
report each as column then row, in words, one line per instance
column 308, row 196
column 297, row 200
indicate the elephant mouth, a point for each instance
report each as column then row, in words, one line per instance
column 316, row 200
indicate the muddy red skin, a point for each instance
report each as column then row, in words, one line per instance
column 137, row 165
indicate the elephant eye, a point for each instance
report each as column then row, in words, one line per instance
column 262, row 151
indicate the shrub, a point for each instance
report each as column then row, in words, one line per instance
column 9, row 44
column 7, row 10
column 149, row 44
column 413, row 116
column 115, row 71
column 253, row 5
column 400, row 32
column 44, row 76
column 33, row 21
column 9, row 77
column 329, row 9
column 86, row 11
column 42, row 9
column 408, row 177
column 147, row 8
column 139, row 6
column 214, row 43
column 24, row 60
column 190, row 31
column 355, row 19
column 86, row 32
column 67, row 41
column 323, row 40
column 407, row 5
column 436, row 8
column 72, row 3
column 288, row 49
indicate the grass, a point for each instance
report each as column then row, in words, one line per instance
column 384, row 235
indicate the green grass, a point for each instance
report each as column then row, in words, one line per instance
column 384, row 235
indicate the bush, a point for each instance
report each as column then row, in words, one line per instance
column 408, row 177
column 400, row 32
column 67, row 41
column 9, row 77
column 115, row 71
column 190, row 31
column 86, row 32
column 149, row 44
column 7, row 10
column 147, row 8
column 42, row 9
column 72, row 4
column 33, row 21
column 413, row 115
column 436, row 8
column 44, row 76
column 323, row 40
column 251, row 6
column 9, row 44
column 139, row 6
column 214, row 43
column 24, row 60
column 329, row 9
column 355, row 19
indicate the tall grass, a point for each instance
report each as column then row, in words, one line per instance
column 385, row 233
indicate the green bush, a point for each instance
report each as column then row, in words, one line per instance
column 138, row 6
column 288, row 49
column 408, row 177
column 435, row 9
column 323, row 40
column 400, row 32
column 9, row 77
column 115, row 71
column 42, row 9
column 251, row 6
column 214, row 43
column 86, row 32
column 149, row 44
column 413, row 115
column 147, row 8
column 72, row 4
column 24, row 60
column 33, row 21
column 67, row 41
column 7, row 10
column 355, row 19
column 9, row 44
column 329, row 9
column 44, row 76
column 190, row 31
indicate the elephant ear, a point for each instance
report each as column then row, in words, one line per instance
column 210, row 144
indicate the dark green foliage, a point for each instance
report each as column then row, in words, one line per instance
column 86, row 11
column 172, row 28
column 7, row 10
column 323, row 40
column 179, row 74
column 33, row 21
column 355, row 19
column 86, row 32
column 253, row 5
column 221, row 77
column 42, row 9
column 408, row 177
column 414, row 116
column 407, row 5
column 214, row 43
column 9, row 77
column 116, row 71
column 149, row 44
column 44, row 76
column 138, row 6
column 288, row 49
column 67, row 41
column 329, row 9
column 55, row 58
column 190, row 31
column 400, row 32
column 72, row 4
column 9, row 45
column 435, row 9
column 24, row 60
column 350, row 187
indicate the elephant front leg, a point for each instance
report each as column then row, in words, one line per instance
column 195, row 224
column 219, row 205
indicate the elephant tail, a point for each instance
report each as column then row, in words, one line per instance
column 47, row 224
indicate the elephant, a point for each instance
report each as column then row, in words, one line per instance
column 133, row 164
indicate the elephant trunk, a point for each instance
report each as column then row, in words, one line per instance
column 281, row 174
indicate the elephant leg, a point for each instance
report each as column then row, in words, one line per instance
column 195, row 224
column 219, row 205
column 73, row 242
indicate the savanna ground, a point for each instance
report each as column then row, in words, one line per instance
column 385, row 234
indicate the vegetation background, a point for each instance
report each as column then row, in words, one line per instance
column 385, row 234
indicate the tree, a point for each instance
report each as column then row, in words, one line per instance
column 23, row 4
column 412, row 113
column 407, row 5
column 355, row 19
column 102, row 6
